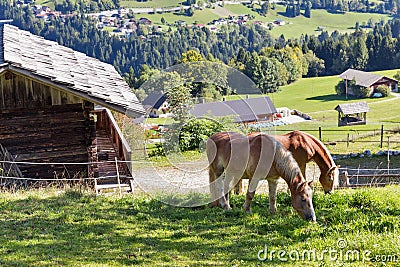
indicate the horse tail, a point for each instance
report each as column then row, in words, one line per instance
column 211, row 151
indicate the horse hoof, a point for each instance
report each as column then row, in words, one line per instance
column 227, row 207
column 213, row 204
column 248, row 211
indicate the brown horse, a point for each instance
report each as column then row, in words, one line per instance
column 255, row 158
column 306, row 148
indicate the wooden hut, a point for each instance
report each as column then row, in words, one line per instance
column 352, row 113
column 48, row 95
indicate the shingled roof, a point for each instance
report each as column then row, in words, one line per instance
column 155, row 100
column 69, row 70
column 242, row 110
column 362, row 78
column 353, row 108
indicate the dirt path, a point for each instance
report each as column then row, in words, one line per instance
column 192, row 177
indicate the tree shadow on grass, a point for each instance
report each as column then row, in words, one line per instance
column 330, row 97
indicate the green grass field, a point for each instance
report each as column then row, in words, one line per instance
column 54, row 228
column 151, row 3
column 200, row 16
column 302, row 25
column 129, row 3
column 317, row 97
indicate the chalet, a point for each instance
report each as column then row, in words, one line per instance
column 352, row 113
column 279, row 22
column 368, row 80
column 180, row 23
column 48, row 95
column 145, row 21
column 156, row 104
column 242, row 110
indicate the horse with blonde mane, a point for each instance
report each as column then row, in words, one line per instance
column 255, row 158
column 306, row 148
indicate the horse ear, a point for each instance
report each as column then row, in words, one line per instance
column 338, row 166
column 310, row 183
column 301, row 187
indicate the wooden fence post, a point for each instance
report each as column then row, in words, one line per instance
column 388, row 156
column 320, row 133
column 118, row 180
column 381, row 135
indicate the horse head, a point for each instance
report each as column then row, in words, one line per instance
column 302, row 201
column 330, row 179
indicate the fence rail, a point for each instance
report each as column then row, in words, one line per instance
column 353, row 135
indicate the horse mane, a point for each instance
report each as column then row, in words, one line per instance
column 285, row 164
column 322, row 147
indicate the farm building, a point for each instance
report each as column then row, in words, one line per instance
column 48, row 95
column 352, row 113
column 242, row 110
column 368, row 80
column 156, row 104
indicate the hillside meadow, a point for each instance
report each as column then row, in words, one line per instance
column 317, row 98
column 72, row 228
column 294, row 27
column 301, row 25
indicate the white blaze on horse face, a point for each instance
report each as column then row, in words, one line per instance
column 302, row 201
column 336, row 177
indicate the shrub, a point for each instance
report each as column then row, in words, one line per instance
column 383, row 89
column 340, row 88
column 195, row 132
column 361, row 92
column 397, row 75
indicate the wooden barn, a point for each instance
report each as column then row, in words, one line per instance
column 48, row 95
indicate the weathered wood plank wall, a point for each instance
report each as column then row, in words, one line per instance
column 40, row 123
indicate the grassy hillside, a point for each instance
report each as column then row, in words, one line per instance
column 200, row 16
column 294, row 27
column 128, row 3
column 302, row 25
column 151, row 3
column 51, row 228
column 317, row 97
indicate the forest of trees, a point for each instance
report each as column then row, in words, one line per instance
column 249, row 48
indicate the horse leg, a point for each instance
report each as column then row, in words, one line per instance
column 215, row 184
column 249, row 198
column 272, row 186
column 239, row 187
column 224, row 201
column 251, row 190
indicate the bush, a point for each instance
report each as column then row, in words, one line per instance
column 361, row 92
column 382, row 89
column 195, row 132
column 340, row 88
